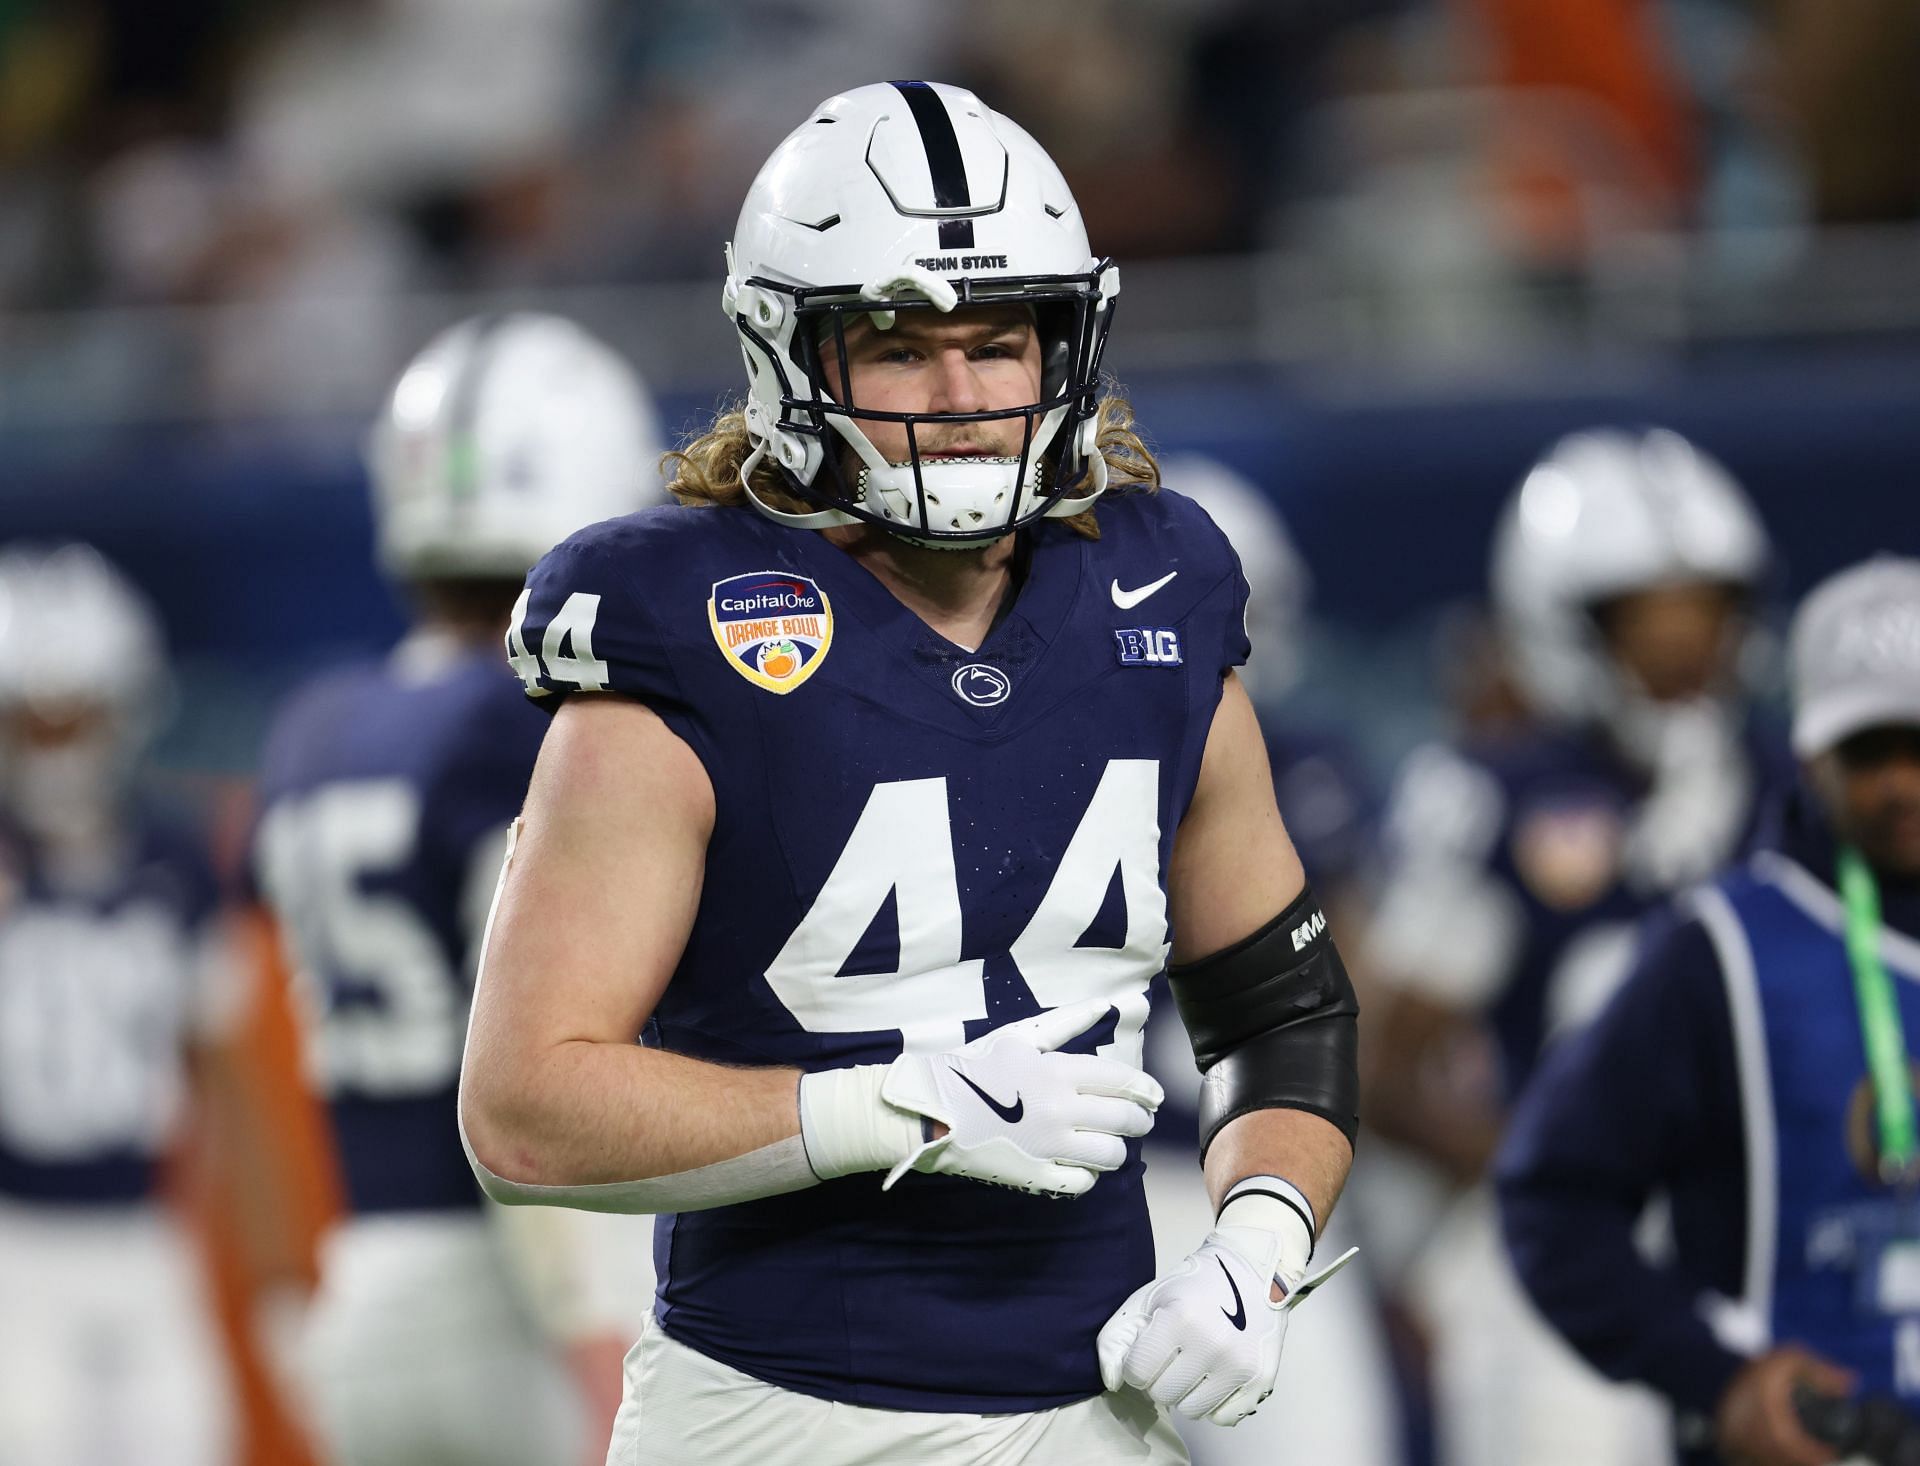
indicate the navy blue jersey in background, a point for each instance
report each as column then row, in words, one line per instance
column 103, row 986
column 1518, row 871
column 914, row 844
column 385, row 795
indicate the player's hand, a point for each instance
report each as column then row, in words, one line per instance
column 1019, row 1114
column 1205, row 1339
column 1756, row 1423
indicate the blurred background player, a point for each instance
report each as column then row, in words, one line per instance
column 1733, row 1073
column 1334, row 1403
column 110, row 980
column 386, row 793
column 1626, row 571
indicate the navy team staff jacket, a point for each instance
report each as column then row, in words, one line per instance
column 1727, row 1075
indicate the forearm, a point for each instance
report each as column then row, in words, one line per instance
column 582, row 1113
column 1295, row 1145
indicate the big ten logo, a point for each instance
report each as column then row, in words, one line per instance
column 1148, row 646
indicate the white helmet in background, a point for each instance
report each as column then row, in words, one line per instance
column 1279, row 585
column 83, row 684
column 502, row 437
column 915, row 196
column 1604, row 514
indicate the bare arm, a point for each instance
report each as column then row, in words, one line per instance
column 594, row 908
column 1176, row 1338
column 1233, row 871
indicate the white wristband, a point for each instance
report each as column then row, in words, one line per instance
column 846, row 1125
column 1276, row 1208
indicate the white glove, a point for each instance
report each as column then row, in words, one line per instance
column 1205, row 1340
column 1017, row 1113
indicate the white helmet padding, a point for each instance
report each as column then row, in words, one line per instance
column 502, row 437
column 915, row 196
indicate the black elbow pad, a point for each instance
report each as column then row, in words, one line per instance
column 1273, row 1020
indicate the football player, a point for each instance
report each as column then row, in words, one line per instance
column 111, row 989
column 1626, row 571
column 386, row 791
column 885, row 775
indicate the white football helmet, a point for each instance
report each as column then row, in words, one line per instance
column 915, row 196
column 1279, row 585
column 502, row 437
column 76, row 639
column 1603, row 514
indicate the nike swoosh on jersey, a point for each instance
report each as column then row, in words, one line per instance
column 1238, row 1318
column 1010, row 1113
column 1126, row 600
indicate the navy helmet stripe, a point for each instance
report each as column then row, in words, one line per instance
column 949, row 169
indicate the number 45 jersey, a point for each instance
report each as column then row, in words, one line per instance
column 386, row 790
column 914, row 844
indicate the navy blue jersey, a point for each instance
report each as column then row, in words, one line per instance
column 1729, row 1075
column 914, row 844
column 1519, row 870
column 385, row 794
column 103, row 986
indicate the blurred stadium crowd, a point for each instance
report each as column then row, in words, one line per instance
column 1391, row 255
column 178, row 153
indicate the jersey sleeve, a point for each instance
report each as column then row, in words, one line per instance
column 1227, row 602
column 476, row 791
column 581, row 625
column 1182, row 536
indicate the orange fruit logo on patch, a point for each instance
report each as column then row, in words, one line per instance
column 780, row 659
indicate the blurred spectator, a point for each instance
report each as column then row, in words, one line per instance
column 1844, row 78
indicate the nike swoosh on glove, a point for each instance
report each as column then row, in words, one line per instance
column 1205, row 1339
column 1019, row 1114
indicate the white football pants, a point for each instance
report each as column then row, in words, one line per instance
column 108, row 1350
column 684, row 1409
column 420, row 1352
column 1508, row 1390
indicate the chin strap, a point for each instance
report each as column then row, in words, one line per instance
column 814, row 519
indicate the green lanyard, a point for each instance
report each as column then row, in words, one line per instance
column 1880, row 1030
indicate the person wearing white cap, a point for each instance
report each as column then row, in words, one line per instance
column 1754, row 1069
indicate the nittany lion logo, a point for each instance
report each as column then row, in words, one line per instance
column 774, row 628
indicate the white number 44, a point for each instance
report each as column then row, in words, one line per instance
column 903, row 844
column 566, row 649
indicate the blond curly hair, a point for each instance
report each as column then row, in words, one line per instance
column 707, row 470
